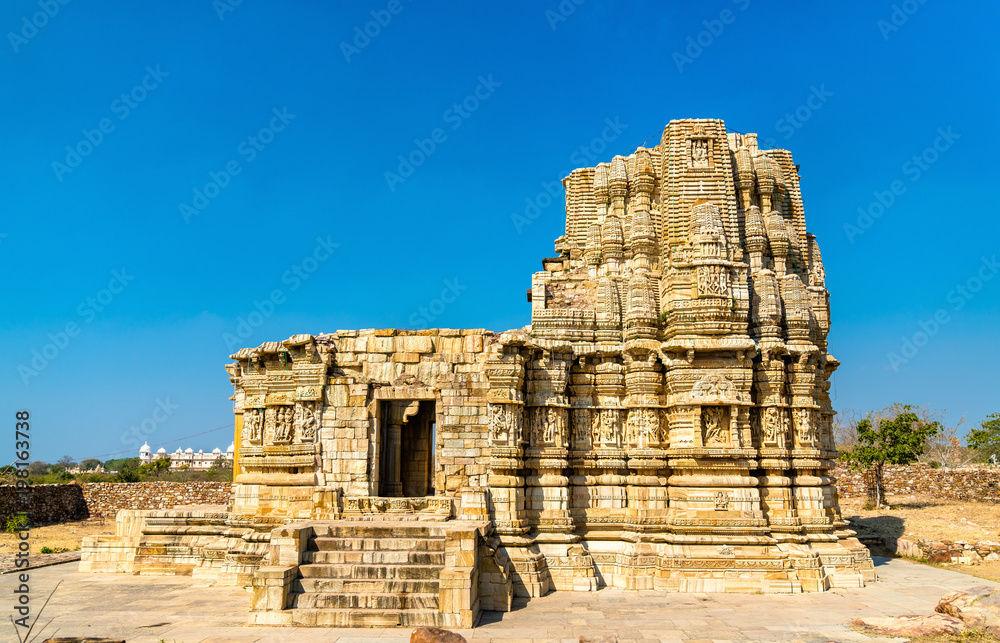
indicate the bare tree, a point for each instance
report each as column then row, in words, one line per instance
column 947, row 448
column 845, row 428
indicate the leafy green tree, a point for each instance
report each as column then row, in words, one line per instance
column 90, row 464
column 121, row 464
column 899, row 439
column 128, row 470
column 38, row 468
column 154, row 468
column 126, row 475
column 986, row 439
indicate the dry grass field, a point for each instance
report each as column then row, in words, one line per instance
column 928, row 518
column 58, row 537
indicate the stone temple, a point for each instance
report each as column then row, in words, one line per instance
column 663, row 423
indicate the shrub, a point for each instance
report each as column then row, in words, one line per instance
column 15, row 522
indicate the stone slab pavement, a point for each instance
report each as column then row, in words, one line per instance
column 155, row 609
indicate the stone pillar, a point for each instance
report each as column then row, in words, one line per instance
column 393, row 486
column 399, row 414
column 505, row 371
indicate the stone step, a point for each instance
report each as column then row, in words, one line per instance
column 376, row 530
column 361, row 543
column 355, row 618
column 362, row 586
column 163, row 550
column 391, row 557
column 372, row 572
column 400, row 601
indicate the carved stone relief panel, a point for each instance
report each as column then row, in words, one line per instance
column 581, row 422
column 253, row 426
column 505, row 424
column 715, row 426
column 643, row 428
column 713, row 281
column 774, row 427
column 805, row 427
column 547, row 426
column 608, row 429
column 308, row 416
column 283, row 423
column 701, row 152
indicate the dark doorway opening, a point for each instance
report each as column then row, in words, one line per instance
column 406, row 459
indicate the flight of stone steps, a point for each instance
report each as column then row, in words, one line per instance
column 369, row 574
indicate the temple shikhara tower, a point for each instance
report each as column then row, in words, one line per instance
column 663, row 423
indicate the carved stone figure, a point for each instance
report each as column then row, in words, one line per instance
column 716, row 429
column 309, row 419
column 581, row 427
column 609, row 428
column 253, row 421
column 774, row 427
column 283, row 424
column 699, row 152
column 805, row 428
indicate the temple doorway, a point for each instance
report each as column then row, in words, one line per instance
column 406, row 458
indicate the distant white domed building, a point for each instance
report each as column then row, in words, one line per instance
column 179, row 458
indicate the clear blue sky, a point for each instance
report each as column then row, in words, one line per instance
column 153, row 102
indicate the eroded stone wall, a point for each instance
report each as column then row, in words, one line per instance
column 54, row 503
column 47, row 503
column 981, row 484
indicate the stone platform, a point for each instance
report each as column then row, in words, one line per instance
column 183, row 609
column 358, row 573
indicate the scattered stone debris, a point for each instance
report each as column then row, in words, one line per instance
column 912, row 625
column 978, row 607
column 435, row 635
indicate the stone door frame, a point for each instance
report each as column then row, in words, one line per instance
column 375, row 419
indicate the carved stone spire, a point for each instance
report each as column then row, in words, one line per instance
column 609, row 318
column 756, row 235
column 764, row 167
column 641, row 318
column 745, row 177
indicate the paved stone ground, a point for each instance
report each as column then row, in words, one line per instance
column 151, row 609
column 8, row 561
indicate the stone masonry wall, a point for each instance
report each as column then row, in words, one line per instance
column 47, row 503
column 968, row 483
column 52, row 503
